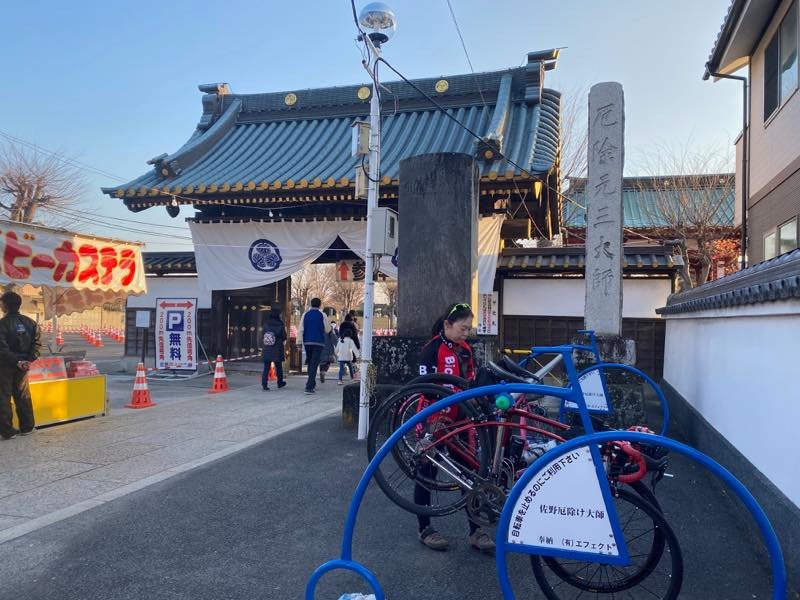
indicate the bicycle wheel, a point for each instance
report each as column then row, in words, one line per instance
column 440, row 379
column 656, row 569
column 433, row 464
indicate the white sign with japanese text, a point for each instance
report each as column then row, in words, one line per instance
column 593, row 392
column 488, row 309
column 563, row 509
column 176, row 327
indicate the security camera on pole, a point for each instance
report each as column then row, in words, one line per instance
column 378, row 23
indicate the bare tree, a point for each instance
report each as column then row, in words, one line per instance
column 348, row 295
column 314, row 281
column 389, row 287
column 573, row 153
column 690, row 194
column 38, row 186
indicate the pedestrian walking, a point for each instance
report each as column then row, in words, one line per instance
column 328, row 353
column 346, row 353
column 313, row 328
column 350, row 328
column 272, row 344
column 20, row 344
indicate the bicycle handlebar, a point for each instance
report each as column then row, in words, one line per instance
column 637, row 457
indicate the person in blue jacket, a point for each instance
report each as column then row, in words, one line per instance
column 312, row 330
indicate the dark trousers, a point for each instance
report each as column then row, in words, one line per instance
column 422, row 496
column 342, row 364
column 265, row 372
column 14, row 382
column 313, row 354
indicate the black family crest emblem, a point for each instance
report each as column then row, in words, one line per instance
column 265, row 256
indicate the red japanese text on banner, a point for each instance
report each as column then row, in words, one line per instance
column 60, row 258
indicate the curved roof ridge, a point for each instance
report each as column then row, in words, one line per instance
column 171, row 165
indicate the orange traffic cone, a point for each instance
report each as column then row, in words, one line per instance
column 220, row 383
column 98, row 340
column 59, row 338
column 141, row 395
column 273, row 376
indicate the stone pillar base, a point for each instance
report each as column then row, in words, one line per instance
column 350, row 397
column 396, row 358
column 613, row 348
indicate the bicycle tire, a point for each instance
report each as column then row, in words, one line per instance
column 647, row 494
column 385, row 421
column 664, row 540
column 403, row 408
column 440, row 379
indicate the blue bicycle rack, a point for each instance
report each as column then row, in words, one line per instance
column 599, row 366
column 590, row 440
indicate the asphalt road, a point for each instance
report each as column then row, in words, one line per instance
column 255, row 525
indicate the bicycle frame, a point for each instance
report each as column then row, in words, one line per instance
column 504, row 428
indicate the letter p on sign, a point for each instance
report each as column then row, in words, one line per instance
column 174, row 320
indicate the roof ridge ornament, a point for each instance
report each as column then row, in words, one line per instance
column 539, row 62
column 219, row 89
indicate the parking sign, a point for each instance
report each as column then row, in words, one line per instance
column 175, row 333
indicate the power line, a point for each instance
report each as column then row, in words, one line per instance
column 503, row 156
column 464, row 46
column 98, row 171
column 79, row 214
column 105, row 223
column 58, row 156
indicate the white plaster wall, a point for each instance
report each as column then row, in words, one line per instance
column 171, row 287
column 565, row 297
column 739, row 370
column 774, row 145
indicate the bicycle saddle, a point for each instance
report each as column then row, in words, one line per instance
column 507, row 376
column 512, row 367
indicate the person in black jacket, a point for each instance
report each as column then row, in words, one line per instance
column 328, row 355
column 20, row 344
column 349, row 328
column 272, row 344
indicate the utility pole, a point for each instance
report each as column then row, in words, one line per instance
column 380, row 24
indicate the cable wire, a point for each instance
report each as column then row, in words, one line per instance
column 464, row 46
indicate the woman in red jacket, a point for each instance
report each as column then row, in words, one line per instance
column 448, row 352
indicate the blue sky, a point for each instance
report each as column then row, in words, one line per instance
column 115, row 83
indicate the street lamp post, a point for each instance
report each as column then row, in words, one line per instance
column 379, row 24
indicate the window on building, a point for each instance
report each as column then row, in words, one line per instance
column 780, row 63
column 769, row 246
column 787, row 236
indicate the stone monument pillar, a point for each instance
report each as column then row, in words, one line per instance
column 604, row 253
column 437, row 259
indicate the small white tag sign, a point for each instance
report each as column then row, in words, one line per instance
column 593, row 393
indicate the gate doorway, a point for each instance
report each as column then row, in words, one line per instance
column 240, row 316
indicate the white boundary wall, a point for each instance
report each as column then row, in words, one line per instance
column 564, row 297
column 737, row 367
